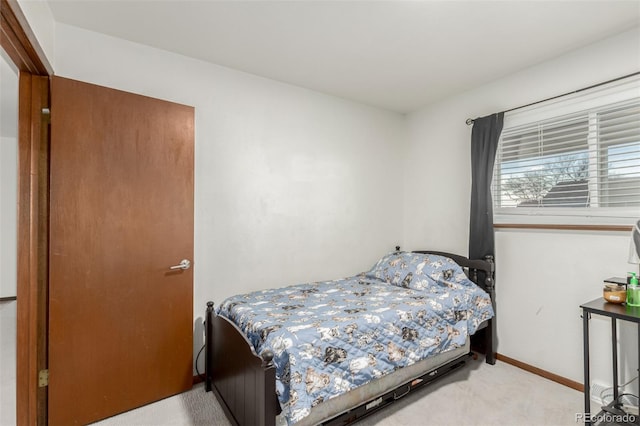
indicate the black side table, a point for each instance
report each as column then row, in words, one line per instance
column 615, row 312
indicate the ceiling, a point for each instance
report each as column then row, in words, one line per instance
column 397, row 55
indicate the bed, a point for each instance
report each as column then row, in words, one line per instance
column 335, row 351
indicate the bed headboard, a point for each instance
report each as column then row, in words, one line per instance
column 480, row 271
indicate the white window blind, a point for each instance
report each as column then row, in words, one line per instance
column 572, row 160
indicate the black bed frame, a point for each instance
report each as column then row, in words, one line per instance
column 245, row 382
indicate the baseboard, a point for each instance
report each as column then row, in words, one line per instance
column 197, row 379
column 540, row 372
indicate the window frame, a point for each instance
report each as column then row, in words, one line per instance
column 578, row 102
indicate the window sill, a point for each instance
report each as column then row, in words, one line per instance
column 548, row 226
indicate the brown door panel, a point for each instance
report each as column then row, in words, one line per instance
column 120, row 322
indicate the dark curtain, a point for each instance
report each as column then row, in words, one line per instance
column 484, row 144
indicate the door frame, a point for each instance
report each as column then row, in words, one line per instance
column 19, row 42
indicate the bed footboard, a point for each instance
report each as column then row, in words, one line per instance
column 243, row 381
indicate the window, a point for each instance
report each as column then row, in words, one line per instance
column 575, row 160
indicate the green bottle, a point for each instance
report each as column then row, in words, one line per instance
column 633, row 291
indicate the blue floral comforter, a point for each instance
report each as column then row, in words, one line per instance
column 330, row 337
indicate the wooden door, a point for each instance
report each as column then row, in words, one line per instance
column 120, row 320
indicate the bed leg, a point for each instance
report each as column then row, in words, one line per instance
column 491, row 331
column 490, row 355
column 208, row 350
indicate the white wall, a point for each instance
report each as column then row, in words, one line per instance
column 290, row 185
column 542, row 277
column 8, row 176
column 8, row 215
column 42, row 24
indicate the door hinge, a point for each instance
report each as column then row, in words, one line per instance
column 43, row 378
column 46, row 115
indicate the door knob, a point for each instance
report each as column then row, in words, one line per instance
column 184, row 265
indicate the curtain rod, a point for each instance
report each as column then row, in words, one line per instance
column 470, row 121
